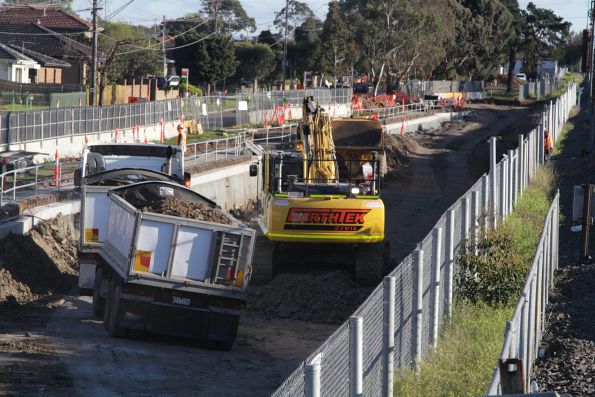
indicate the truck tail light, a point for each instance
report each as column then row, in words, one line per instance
column 187, row 177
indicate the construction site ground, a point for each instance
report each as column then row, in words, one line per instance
column 53, row 346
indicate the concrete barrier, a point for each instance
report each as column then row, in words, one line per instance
column 32, row 217
column 424, row 123
column 231, row 187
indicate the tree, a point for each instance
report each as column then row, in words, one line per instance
column 545, row 35
column 515, row 38
column 304, row 51
column 335, row 42
column 296, row 14
column 211, row 58
column 228, row 16
column 256, row 61
column 386, row 32
column 126, row 53
column 574, row 49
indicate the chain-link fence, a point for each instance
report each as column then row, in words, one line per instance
column 398, row 323
column 23, row 97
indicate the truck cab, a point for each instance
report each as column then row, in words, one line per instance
column 168, row 159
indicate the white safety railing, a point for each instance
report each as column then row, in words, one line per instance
column 398, row 323
column 34, row 180
column 215, row 149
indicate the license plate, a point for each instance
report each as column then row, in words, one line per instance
column 177, row 300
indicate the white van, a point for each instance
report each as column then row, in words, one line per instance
column 521, row 76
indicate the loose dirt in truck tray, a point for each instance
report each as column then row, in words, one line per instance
column 184, row 209
column 41, row 263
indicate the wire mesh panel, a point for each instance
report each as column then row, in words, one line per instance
column 404, row 322
column 427, row 247
column 372, row 312
column 334, row 377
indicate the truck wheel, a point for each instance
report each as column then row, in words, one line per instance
column 370, row 263
column 113, row 303
column 262, row 262
column 98, row 301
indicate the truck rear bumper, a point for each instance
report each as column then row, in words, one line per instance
column 211, row 325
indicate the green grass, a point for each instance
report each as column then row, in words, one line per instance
column 466, row 356
column 559, row 145
column 499, row 94
column 469, row 348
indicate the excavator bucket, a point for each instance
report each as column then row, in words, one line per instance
column 355, row 141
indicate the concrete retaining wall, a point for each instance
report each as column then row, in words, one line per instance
column 33, row 216
column 231, row 187
column 424, row 123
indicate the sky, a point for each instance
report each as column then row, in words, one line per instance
column 146, row 12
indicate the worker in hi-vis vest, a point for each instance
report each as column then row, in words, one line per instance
column 181, row 137
column 548, row 145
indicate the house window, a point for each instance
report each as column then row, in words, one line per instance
column 32, row 75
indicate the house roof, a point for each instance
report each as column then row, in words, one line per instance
column 8, row 53
column 42, row 59
column 51, row 18
column 40, row 39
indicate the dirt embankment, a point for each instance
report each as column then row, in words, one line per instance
column 40, row 264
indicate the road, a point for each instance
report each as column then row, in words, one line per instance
column 67, row 352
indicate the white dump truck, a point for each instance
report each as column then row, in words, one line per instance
column 97, row 160
column 172, row 263
column 94, row 210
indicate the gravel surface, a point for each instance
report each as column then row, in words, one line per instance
column 567, row 364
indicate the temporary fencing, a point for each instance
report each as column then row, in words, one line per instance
column 398, row 323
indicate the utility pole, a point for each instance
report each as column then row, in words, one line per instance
column 94, row 56
column 285, row 46
column 163, row 47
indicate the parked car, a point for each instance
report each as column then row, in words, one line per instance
column 520, row 76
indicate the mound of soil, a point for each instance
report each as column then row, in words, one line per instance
column 40, row 263
column 185, row 209
column 398, row 148
column 324, row 297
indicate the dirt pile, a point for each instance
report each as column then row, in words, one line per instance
column 41, row 263
column 322, row 297
column 185, row 209
column 398, row 149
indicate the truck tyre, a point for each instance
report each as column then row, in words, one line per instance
column 113, row 303
column 98, row 301
column 370, row 262
column 262, row 261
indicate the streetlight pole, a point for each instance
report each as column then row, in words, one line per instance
column 163, row 47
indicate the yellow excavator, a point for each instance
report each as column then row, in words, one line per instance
column 320, row 201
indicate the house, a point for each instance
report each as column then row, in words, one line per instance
column 50, row 70
column 15, row 66
column 47, row 32
column 69, row 55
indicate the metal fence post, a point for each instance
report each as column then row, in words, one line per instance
column 493, row 189
column 388, row 347
column 510, row 185
column 465, row 223
column 356, row 375
column 419, row 291
column 503, row 178
column 313, row 379
column 450, row 260
column 485, row 196
column 521, row 167
column 436, row 262
column 524, row 337
column 475, row 219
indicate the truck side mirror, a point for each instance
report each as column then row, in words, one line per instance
column 253, row 169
